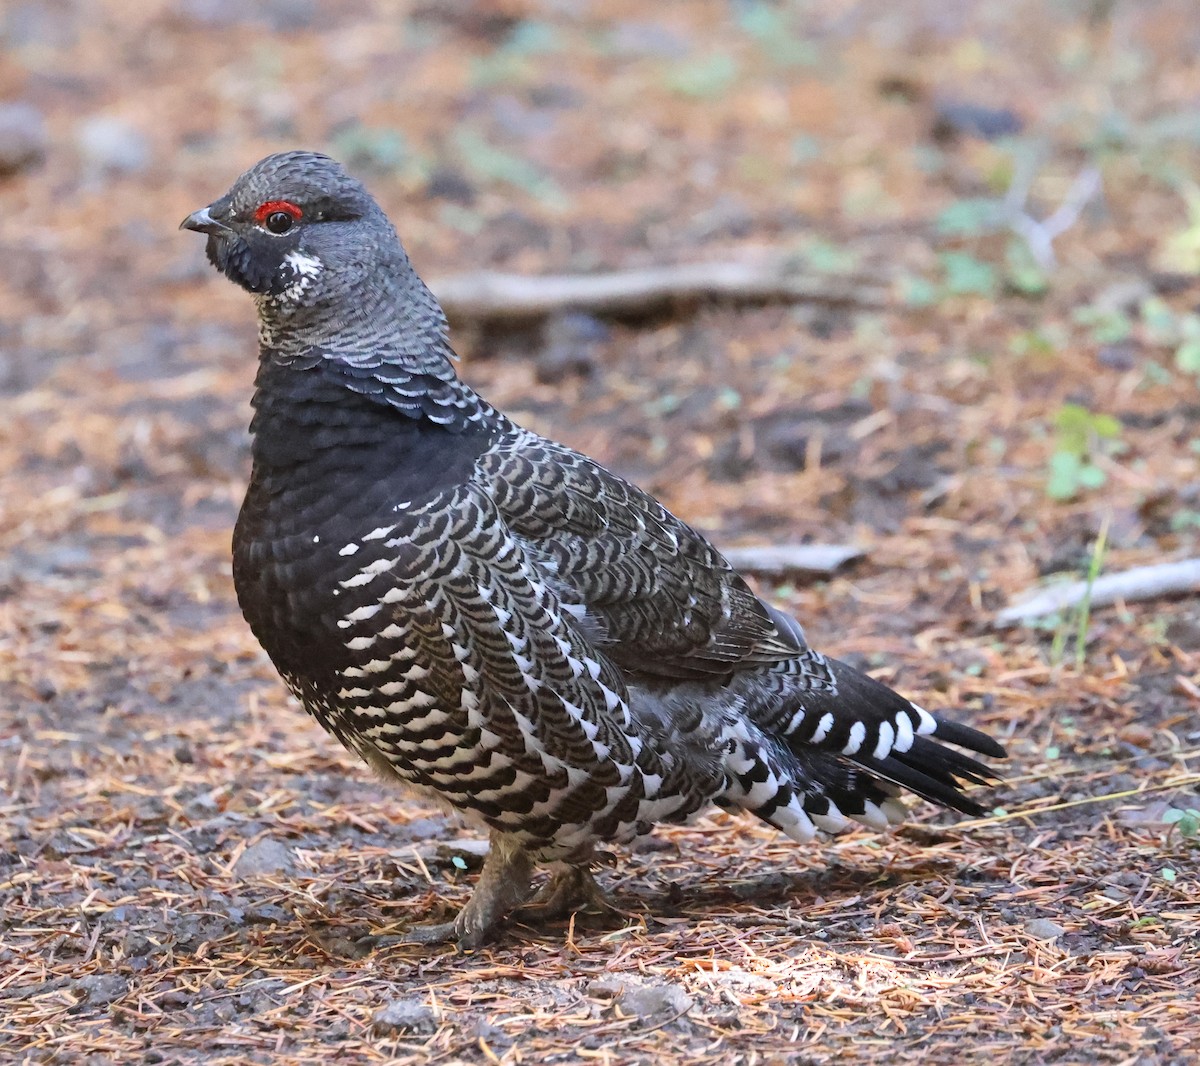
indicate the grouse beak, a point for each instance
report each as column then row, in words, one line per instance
column 202, row 222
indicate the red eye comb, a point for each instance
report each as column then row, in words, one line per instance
column 264, row 211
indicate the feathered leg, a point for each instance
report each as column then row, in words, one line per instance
column 571, row 888
column 503, row 886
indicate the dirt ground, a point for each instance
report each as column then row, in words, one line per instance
column 190, row 871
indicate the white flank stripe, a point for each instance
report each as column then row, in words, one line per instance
column 823, row 728
column 858, row 733
column 833, row 821
column 873, row 816
column 883, row 747
column 795, row 823
column 928, row 725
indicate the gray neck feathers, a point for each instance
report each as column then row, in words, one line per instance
column 369, row 323
column 365, row 317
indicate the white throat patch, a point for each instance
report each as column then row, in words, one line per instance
column 304, row 269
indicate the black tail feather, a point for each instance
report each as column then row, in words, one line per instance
column 927, row 779
column 925, row 766
column 966, row 737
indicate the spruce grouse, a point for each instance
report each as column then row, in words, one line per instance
column 496, row 620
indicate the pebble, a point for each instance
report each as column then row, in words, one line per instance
column 23, row 138
column 113, row 145
column 268, row 856
column 954, row 118
column 282, row 16
column 404, row 1016
column 571, row 347
column 103, row 988
column 1043, row 929
column 643, row 1000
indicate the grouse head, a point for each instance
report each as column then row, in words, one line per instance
column 334, row 285
column 296, row 226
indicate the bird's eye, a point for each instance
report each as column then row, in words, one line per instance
column 277, row 216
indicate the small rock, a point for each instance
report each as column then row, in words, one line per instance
column 449, row 183
column 1043, row 929
column 264, row 914
column 1184, row 632
column 282, row 16
column 23, row 138
column 404, row 1016
column 45, row 689
column 643, row 1000
column 103, row 988
column 636, row 39
column 1137, row 735
column 571, row 347
column 954, row 119
column 1148, row 816
column 1123, row 296
column 268, row 856
column 1122, row 355
column 113, row 145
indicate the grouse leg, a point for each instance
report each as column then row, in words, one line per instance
column 570, row 889
column 503, row 885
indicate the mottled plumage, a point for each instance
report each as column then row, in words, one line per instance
column 497, row 620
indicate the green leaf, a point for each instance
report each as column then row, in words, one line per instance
column 1167, row 874
column 775, row 33
column 969, row 218
column 968, row 276
column 705, row 78
column 530, row 37
column 918, row 292
column 1161, row 325
column 1024, row 275
column 1072, row 423
column 1187, row 357
column 1091, row 477
column 1063, row 482
column 1108, row 326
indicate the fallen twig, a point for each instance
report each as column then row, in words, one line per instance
column 515, row 298
column 1141, row 583
column 773, row 560
column 1039, row 235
